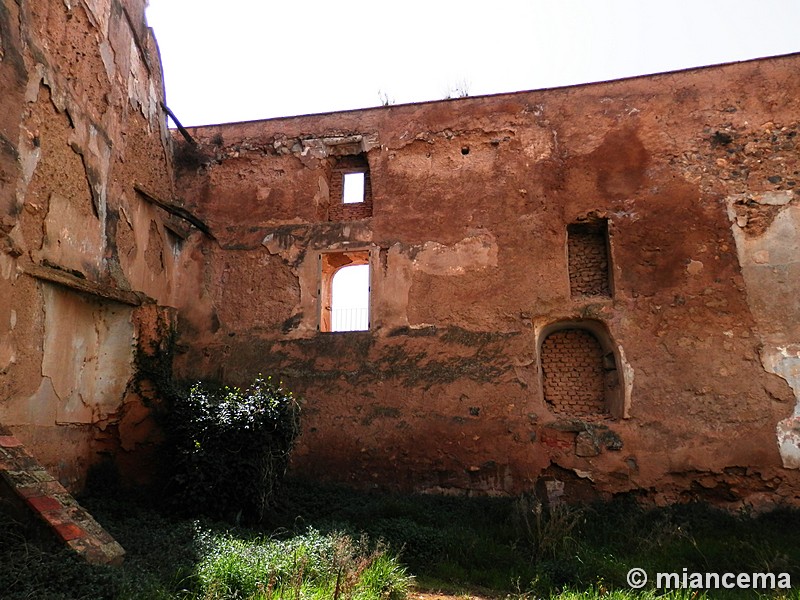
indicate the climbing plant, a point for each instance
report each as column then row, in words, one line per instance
column 230, row 448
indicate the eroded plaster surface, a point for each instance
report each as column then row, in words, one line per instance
column 468, row 250
column 785, row 362
column 766, row 228
column 690, row 177
column 85, row 170
column 87, row 346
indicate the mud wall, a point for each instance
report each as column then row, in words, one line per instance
column 691, row 179
column 88, row 259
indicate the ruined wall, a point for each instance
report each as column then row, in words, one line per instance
column 87, row 257
column 689, row 176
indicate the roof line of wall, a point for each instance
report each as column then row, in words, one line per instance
column 497, row 95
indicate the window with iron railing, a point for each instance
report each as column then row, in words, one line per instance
column 350, row 299
column 344, row 291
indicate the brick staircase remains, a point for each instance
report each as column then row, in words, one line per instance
column 29, row 487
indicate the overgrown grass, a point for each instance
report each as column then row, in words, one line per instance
column 330, row 542
column 311, row 565
column 513, row 546
column 171, row 558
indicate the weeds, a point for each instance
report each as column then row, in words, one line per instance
column 325, row 542
column 549, row 533
column 308, row 565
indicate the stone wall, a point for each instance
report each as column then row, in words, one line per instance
column 694, row 174
column 88, row 256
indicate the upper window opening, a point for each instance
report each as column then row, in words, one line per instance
column 588, row 255
column 353, row 188
column 350, row 189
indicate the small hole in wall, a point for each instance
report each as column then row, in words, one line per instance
column 464, row 150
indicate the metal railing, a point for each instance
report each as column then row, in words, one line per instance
column 350, row 319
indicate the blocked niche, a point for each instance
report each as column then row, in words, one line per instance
column 350, row 189
column 589, row 265
column 579, row 372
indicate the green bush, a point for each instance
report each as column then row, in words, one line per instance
column 230, row 448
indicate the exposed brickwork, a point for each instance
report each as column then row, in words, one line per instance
column 338, row 210
column 350, row 212
column 588, row 260
column 43, row 496
column 572, row 367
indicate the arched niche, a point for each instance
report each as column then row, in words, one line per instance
column 582, row 371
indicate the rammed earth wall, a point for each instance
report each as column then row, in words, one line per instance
column 677, row 191
column 87, row 257
column 691, row 177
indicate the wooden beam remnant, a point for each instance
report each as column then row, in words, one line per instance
column 173, row 209
column 73, row 282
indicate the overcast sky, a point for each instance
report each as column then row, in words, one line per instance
column 237, row 60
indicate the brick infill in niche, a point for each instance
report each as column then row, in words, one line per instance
column 42, row 496
column 588, row 260
column 573, row 377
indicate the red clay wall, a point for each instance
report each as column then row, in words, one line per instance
column 695, row 173
column 87, row 258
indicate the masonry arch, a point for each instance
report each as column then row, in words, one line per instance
column 580, row 374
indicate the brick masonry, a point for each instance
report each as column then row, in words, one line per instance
column 588, row 261
column 573, row 375
column 338, row 210
column 37, row 491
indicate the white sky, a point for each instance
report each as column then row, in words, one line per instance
column 237, row 60
column 347, row 279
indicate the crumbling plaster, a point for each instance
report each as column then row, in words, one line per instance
column 694, row 174
column 769, row 254
column 82, row 251
column 471, row 201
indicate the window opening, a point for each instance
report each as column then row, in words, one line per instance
column 350, row 190
column 353, row 188
column 350, row 299
column 588, row 257
column 344, row 293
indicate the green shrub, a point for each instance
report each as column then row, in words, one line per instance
column 230, row 448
